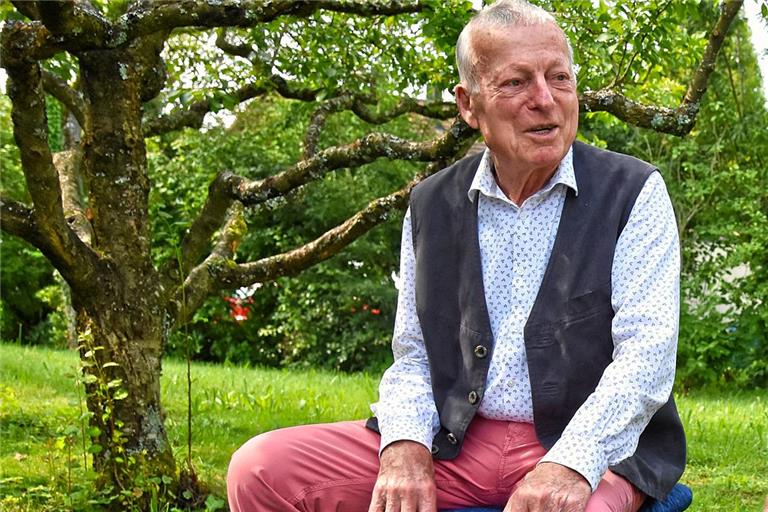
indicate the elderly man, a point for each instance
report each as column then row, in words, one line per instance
column 537, row 319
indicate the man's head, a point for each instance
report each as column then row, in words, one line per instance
column 518, row 85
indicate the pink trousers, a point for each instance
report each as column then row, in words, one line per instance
column 333, row 467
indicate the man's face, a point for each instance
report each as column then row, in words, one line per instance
column 525, row 105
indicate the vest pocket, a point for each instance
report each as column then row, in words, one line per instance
column 588, row 304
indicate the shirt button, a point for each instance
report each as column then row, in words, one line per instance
column 434, row 449
column 472, row 397
column 481, row 351
column 451, row 438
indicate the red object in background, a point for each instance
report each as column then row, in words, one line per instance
column 237, row 310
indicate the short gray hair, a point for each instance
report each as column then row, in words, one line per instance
column 502, row 14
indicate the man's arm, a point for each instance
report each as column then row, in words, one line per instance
column 406, row 412
column 645, row 296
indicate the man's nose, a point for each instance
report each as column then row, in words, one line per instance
column 540, row 94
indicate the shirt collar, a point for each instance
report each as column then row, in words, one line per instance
column 485, row 183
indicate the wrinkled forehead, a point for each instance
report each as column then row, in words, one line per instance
column 491, row 44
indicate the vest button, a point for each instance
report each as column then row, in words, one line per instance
column 481, row 351
column 472, row 397
column 451, row 438
column 434, row 449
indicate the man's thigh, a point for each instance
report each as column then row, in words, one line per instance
column 334, row 467
column 313, row 467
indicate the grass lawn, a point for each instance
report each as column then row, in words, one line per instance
column 41, row 450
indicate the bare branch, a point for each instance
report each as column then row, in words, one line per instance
column 228, row 187
column 67, row 165
column 320, row 249
column 65, row 250
column 238, row 50
column 28, row 8
column 60, row 90
column 360, row 105
column 223, row 274
column 434, row 110
column 698, row 85
column 199, row 284
column 193, row 115
column 18, row 219
column 673, row 121
column 317, row 121
column 363, row 151
column 76, row 26
column 219, row 271
column 152, row 17
column 77, row 23
column 197, row 239
column 681, row 120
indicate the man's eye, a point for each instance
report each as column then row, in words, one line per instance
column 514, row 82
column 561, row 77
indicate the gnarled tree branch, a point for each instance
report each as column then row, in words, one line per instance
column 220, row 272
column 76, row 22
column 197, row 239
column 65, row 250
column 28, row 8
column 678, row 121
column 363, row 151
column 60, row 90
column 152, row 17
column 59, row 30
column 228, row 187
column 190, row 297
column 698, row 85
column 18, row 219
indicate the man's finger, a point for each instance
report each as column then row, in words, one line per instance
column 393, row 502
column 378, row 500
column 427, row 502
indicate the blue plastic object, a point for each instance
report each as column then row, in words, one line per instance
column 678, row 499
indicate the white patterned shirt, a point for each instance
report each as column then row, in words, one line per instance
column 515, row 246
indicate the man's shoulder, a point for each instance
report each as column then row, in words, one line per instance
column 456, row 178
column 586, row 156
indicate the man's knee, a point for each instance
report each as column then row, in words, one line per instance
column 615, row 494
column 257, row 465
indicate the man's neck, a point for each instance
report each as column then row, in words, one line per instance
column 519, row 184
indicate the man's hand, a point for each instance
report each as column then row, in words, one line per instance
column 550, row 488
column 406, row 481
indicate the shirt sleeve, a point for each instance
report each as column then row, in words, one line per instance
column 645, row 297
column 406, row 408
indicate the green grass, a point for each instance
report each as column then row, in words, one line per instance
column 41, row 453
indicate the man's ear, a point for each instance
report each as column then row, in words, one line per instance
column 464, row 102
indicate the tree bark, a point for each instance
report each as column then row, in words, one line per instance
column 121, row 325
column 121, row 352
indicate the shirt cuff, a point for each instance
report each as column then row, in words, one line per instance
column 589, row 462
column 404, row 430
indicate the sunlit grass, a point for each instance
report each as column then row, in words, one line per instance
column 41, row 452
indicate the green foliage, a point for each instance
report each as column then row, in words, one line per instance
column 24, row 308
column 727, row 430
column 307, row 320
column 717, row 178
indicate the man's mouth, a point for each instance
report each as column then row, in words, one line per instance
column 542, row 129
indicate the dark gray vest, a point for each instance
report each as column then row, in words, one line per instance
column 568, row 333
